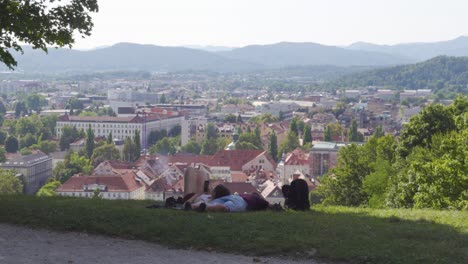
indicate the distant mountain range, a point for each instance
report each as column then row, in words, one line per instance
column 128, row 56
column 418, row 51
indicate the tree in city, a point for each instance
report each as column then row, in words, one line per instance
column 210, row 147
column 290, row 143
column 430, row 121
column 89, row 145
column 9, row 183
column 249, row 140
column 300, row 126
column 20, row 107
column 306, row 135
column 327, row 134
column 3, row 109
column 293, row 126
column 353, row 134
column 137, row 142
column 239, row 119
column 49, row 123
column 3, row 136
column 230, row 118
column 109, row 139
column 11, row 144
column 129, row 150
column 46, row 146
column 175, row 131
column 211, row 131
column 2, row 154
column 69, row 135
column 192, row 147
column 344, row 185
column 42, row 23
column 27, row 140
column 48, row 189
column 75, row 104
column 156, row 135
column 162, row 99
column 36, row 102
column 32, row 124
column 165, row 146
column 72, row 164
column 273, row 146
column 103, row 153
column 379, row 132
column 25, row 151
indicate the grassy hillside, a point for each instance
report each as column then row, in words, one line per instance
column 441, row 73
column 334, row 233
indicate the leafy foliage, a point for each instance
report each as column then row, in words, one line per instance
column 103, row 153
column 166, row 146
column 273, row 146
column 41, row 24
column 9, row 183
column 49, row 189
column 429, row 170
column 11, row 144
column 192, row 147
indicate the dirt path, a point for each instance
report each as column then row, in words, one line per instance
column 27, row 246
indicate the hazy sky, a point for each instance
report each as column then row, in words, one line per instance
column 244, row 22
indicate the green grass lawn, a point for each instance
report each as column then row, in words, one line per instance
column 335, row 233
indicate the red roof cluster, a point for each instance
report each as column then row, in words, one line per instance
column 122, row 183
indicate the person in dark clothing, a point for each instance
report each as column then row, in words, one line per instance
column 296, row 195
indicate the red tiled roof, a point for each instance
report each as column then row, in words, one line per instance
column 125, row 183
column 235, row 159
column 297, row 157
column 238, row 177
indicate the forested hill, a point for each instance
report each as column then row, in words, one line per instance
column 438, row 73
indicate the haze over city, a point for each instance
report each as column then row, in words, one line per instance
column 241, row 22
column 233, row 131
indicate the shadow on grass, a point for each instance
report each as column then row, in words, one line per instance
column 357, row 236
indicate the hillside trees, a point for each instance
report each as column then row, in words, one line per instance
column 426, row 168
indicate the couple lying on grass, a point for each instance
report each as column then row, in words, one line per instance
column 221, row 199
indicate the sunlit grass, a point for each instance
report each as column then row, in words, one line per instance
column 357, row 235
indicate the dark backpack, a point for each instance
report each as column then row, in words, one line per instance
column 296, row 195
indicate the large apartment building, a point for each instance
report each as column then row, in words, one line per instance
column 121, row 127
column 33, row 170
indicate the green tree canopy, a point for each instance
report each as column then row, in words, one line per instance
column 49, row 189
column 9, row 183
column 273, row 146
column 42, row 23
column 89, row 145
column 2, row 154
column 192, row 147
column 11, row 144
column 103, row 153
column 164, row 147
column 129, row 149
